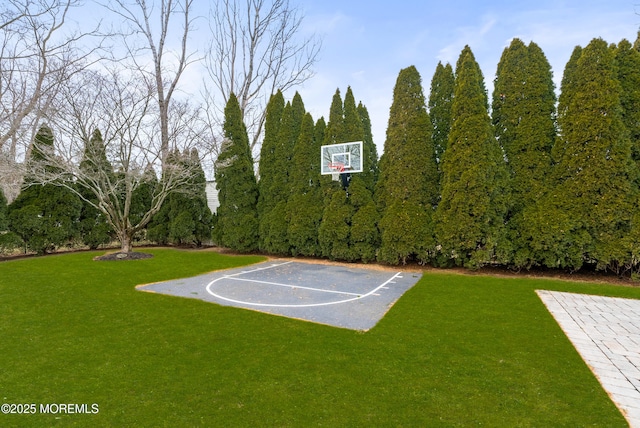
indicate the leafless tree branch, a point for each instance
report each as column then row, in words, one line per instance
column 154, row 25
column 36, row 58
column 256, row 49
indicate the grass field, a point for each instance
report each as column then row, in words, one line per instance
column 455, row 350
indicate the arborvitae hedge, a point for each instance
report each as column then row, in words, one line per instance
column 628, row 60
column 332, row 217
column 335, row 229
column 277, row 189
column 470, row 217
column 363, row 235
column 440, row 99
column 267, row 167
column 594, row 170
column 372, row 170
column 304, row 206
column 236, row 224
column 523, row 112
column 567, row 86
column 407, row 189
column 354, row 237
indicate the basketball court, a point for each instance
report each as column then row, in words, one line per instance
column 338, row 295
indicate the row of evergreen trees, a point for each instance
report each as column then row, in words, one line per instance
column 523, row 179
column 533, row 180
column 45, row 217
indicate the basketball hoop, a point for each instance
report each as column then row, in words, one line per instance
column 341, row 160
column 337, row 168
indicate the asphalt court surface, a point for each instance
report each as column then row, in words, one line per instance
column 337, row 295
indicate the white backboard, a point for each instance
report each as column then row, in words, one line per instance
column 341, row 158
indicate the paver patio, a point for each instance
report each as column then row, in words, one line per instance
column 606, row 333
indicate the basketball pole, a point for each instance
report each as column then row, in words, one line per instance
column 345, row 179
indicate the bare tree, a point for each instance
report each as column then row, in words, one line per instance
column 256, row 49
column 39, row 51
column 37, row 55
column 124, row 109
column 150, row 30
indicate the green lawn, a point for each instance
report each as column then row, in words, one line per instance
column 454, row 351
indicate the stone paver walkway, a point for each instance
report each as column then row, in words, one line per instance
column 606, row 333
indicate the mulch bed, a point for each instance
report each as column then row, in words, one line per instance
column 134, row 255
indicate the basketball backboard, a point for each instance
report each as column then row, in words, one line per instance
column 341, row 158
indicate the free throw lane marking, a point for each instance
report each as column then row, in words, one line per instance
column 291, row 286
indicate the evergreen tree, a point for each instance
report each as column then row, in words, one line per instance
column 93, row 226
column 407, row 189
column 142, row 198
column 524, row 121
column 567, row 90
column 334, row 132
column 184, row 218
column 470, row 215
column 305, row 207
column 350, row 232
column 334, row 233
column 332, row 135
column 94, row 158
column 273, row 120
column 352, row 128
column 158, row 227
column 304, row 162
column 199, row 209
column 44, row 216
column 268, row 166
column 440, row 99
column 292, row 116
column 273, row 231
column 549, row 223
column 332, row 217
column 3, row 211
column 237, row 219
column 371, row 174
column 594, row 170
column 628, row 60
column 318, row 137
column 363, row 234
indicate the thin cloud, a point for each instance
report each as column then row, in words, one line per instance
column 474, row 36
column 326, row 23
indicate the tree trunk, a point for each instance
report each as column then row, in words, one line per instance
column 125, row 243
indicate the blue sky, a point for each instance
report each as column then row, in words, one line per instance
column 367, row 43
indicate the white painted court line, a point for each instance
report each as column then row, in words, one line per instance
column 292, row 286
column 308, row 305
column 259, row 269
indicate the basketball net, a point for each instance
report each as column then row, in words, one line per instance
column 337, row 168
